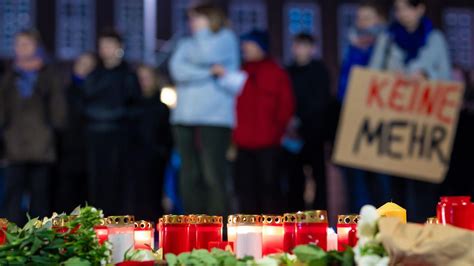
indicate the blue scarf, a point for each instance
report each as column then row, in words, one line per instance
column 25, row 82
column 411, row 42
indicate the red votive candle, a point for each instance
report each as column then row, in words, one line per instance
column 208, row 229
column 444, row 210
column 3, row 229
column 289, row 227
column 463, row 215
column 272, row 234
column 159, row 227
column 311, row 228
column 102, row 233
column 175, row 234
column 192, row 231
column 346, row 231
column 144, row 235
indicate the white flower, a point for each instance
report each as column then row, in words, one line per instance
column 372, row 260
column 367, row 225
column 267, row 261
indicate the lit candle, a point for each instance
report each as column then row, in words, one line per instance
column 272, row 234
column 3, row 229
column 159, row 227
column 102, row 233
column 289, row 227
column 231, row 228
column 332, row 239
column 444, row 210
column 311, row 228
column 208, row 229
column 391, row 209
column 175, row 234
column 144, row 235
column 59, row 224
column 192, row 231
column 346, row 231
column 121, row 235
column 249, row 236
column 432, row 220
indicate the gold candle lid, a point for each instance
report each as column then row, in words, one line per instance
column 272, row 219
column 348, row 219
column 289, row 218
column 246, row 219
column 120, row 220
column 432, row 220
column 175, row 219
column 142, row 224
column 208, row 219
column 3, row 222
column 316, row 216
column 61, row 221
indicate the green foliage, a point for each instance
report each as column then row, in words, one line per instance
column 313, row 255
column 38, row 244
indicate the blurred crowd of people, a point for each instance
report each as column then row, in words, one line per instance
column 247, row 130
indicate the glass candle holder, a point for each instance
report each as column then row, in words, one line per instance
column 272, row 234
column 249, row 236
column 231, row 228
column 3, row 229
column 289, row 227
column 59, row 224
column 463, row 215
column 175, row 234
column 192, row 218
column 208, row 229
column 144, row 235
column 347, row 231
column 121, row 235
column 311, row 228
column 444, row 210
column 432, row 220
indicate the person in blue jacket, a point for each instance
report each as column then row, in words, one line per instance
column 363, row 187
column 205, row 110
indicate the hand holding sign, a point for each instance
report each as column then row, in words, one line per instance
column 397, row 125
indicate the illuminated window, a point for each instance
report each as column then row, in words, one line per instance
column 15, row 15
column 459, row 29
column 297, row 18
column 247, row 15
column 75, row 27
column 346, row 15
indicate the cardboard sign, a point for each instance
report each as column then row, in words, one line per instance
column 394, row 126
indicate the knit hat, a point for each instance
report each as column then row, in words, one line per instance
column 259, row 37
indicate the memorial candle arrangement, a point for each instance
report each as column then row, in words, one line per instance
column 208, row 229
column 289, row 227
column 272, row 234
column 144, row 235
column 175, row 231
column 249, row 236
column 311, row 228
column 3, row 229
column 121, row 235
column 346, row 231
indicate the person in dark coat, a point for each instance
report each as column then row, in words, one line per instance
column 32, row 108
column 264, row 109
column 71, row 188
column 311, row 86
column 151, row 146
column 110, row 93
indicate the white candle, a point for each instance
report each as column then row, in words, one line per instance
column 249, row 244
column 332, row 239
column 121, row 239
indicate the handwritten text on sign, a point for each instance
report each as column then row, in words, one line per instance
column 391, row 125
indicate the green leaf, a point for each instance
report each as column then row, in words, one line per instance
column 307, row 253
column 171, row 259
column 75, row 261
column 318, row 262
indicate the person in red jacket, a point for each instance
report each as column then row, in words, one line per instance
column 264, row 109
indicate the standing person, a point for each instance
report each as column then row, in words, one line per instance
column 311, row 88
column 109, row 94
column 413, row 47
column 204, row 115
column 32, row 107
column 153, row 143
column 71, row 188
column 264, row 110
column 364, row 187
